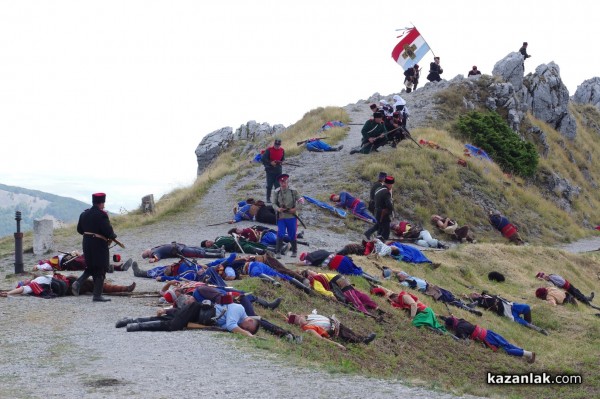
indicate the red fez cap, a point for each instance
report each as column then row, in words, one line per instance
column 389, row 180
column 226, row 299
column 116, row 258
column 331, row 197
column 302, row 256
column 540, row 275
column 283, row 176
column 291, row 319
column 98, row 198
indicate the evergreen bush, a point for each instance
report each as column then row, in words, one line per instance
column 492, row 134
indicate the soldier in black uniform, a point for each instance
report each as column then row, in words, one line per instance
column 97, row 231
column 383, row 210
column 374, row 187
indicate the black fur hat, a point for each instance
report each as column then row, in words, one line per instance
column 496, row 276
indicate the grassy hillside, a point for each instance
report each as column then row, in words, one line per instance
column 420, row 357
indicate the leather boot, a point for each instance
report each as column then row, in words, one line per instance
column 129, row 320
column 124, row 267
column 269, row 305
column 148, row 326
column 98, row 285
column 294, row 248
column 137, row 271
column 278, row 248
column 215, row 254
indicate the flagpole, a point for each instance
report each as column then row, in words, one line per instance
column 430, row 49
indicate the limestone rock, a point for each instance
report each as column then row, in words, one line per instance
column 548, row 98
column 218, row 141
column 588, row 92
column 510, row 69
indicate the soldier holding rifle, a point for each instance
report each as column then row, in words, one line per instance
column 383, row 210
column 97, row 233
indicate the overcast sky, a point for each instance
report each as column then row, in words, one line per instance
column 115, row 96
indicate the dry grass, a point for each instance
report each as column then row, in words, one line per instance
column 422, row 358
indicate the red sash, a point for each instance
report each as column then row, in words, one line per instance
column 509, row 230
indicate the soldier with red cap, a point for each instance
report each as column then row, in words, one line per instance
column 357, row 207
column 272, row 160
column 383, row 210
column 286, row 203
column 97, row 233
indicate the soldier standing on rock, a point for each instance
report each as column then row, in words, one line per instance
column 272, row 160
column 97, row 232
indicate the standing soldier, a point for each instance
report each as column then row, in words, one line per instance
column 286, row 200
column 378, row 184
column 383, row 210
column 97, row 232
column 272, row 160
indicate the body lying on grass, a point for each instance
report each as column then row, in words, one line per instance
column 419, row 313
column 517, row 312
column 337, row 287
column 423, row 286
column 569, row 288
column 465, row 330
column 328, row 328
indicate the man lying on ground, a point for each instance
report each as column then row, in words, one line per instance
column 175, row 250
column 463, row 329
column 517, row 312
column 233, row 244
column 327, row 328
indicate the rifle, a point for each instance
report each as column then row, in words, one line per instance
column 116, row 242
column 218, row 224
column 296, row 216
column 410, row 137
column 286, row 163
column 312, row 139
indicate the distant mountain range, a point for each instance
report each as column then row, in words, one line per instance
column 34, row 204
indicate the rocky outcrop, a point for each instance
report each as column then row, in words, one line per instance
column 218, row 141
column 548, row 99
column 510, row 69
column 560, row 190
column 588, row 92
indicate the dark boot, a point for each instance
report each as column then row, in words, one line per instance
column 148, row 326
column 591, row 297
column 98, row 284
column 137, row 271
column 75, row 287
column 125, row 266
column 369, row 338
column 129, row 320
column 294, row 248
column 269, row 305
column 285, row 246
column 215, row 254
column 278, row 248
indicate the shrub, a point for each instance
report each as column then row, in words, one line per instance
column 492, row 134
